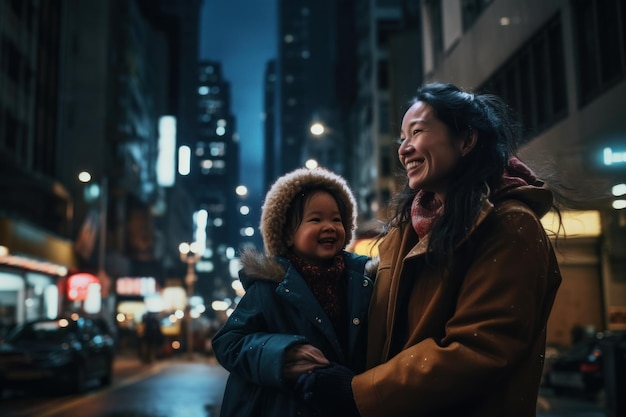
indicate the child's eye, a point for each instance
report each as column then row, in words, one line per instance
column 399, row 141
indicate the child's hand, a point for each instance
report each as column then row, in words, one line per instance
column 301, row 359
column 329, row 391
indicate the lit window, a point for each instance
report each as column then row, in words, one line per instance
column 184, row 160
column 619, row 204
column 217, row 148
column 212, row 166
column 619, row 190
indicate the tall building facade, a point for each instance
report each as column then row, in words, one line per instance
column 214, row 177
column 560, row 65
column 177, row 23
column 270, row 124
column 306, row 87
column 335, row 69
column 388, row 66
column 109, row 104
column 83, row 89
column 36, row 247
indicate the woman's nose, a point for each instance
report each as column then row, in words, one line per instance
column 404, row 148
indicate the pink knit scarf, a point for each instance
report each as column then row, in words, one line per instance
column 425, row 209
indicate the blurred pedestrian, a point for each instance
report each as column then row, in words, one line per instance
column 467, row 275
column 152, row 339
column 306, row 298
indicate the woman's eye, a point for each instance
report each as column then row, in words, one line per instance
column 399, row 141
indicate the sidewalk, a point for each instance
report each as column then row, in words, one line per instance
column 549, row 405
column 128, row 364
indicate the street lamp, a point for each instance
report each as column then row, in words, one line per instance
column 324, row 146
column 311, row 163
column 99, row 190
column 317, row 129
column 190, row 253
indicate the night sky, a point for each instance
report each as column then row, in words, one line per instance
column 242, row 35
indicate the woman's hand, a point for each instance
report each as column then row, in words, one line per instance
column 302, row 359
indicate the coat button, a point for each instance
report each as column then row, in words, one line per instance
column 286, row 289
column 318, row 319
column 366, row 283
column 356, row 321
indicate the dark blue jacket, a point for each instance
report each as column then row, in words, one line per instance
column 278, row 311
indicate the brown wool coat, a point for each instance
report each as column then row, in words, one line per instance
column 476, row 336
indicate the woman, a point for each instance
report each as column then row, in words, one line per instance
column 467, row 275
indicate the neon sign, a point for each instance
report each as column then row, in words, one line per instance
column 78, row 286
column 611, row 157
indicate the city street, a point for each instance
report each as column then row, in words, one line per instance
column 180, row 387
column 173, row 387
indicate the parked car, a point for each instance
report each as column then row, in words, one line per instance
column 61, row 353
column 107, row 328
column 580, row 370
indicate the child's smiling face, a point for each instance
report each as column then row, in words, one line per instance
column 320, row 235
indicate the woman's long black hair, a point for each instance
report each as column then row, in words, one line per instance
column 481, row 170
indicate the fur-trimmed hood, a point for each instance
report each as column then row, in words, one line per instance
column 280, row 197
column 256, row 265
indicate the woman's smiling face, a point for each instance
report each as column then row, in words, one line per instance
column 428, row 150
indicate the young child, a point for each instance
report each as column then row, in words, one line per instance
column 306, row 298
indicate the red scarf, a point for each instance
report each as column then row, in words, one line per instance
column 328, row 285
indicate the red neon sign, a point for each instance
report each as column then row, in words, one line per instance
column 78, row 285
